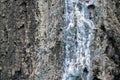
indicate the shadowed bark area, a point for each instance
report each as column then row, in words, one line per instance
column 106, row 66
column 17, row 39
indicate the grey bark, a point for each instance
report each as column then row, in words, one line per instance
column 31, row 46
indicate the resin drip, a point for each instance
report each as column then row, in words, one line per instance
column 78, row 35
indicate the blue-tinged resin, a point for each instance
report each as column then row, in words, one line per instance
column 78, row 35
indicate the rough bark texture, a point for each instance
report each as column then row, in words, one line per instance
column 31, row 46
column 49, row 35
column 17, row 39
column 106, row 66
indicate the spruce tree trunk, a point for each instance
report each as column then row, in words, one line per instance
column 31, row 44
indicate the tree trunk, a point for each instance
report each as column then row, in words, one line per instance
column 31, row 40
